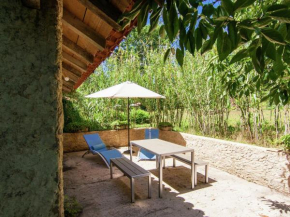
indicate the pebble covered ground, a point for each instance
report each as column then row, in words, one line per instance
column 88, row 179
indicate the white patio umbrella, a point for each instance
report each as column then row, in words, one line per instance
column 127, row 90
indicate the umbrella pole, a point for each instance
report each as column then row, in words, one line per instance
column 128, row 125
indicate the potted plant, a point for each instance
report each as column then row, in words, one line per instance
column 166, row 126
column 119, row 125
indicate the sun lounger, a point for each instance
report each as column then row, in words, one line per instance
column 96, row 146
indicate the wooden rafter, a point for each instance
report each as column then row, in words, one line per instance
column 73, row 61
column 73, row 70
column 66, row 89
column 83, row 30
column 70, row 75
column 105, row 10
column 100, row 56
column 81, row 53
column 68, row 84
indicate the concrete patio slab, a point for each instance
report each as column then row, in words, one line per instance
column 88, row 179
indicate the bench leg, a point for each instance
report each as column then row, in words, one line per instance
column 195, row 175
column 174, row 162
column 132, row 191
column 206, row 173
column 111, row 169
column 193, row 171
column 149, row 186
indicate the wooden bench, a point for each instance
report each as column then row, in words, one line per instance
column 132, row 171
column 185, row 158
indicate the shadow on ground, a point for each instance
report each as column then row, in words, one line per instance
column 179, row 178
column 88, row 179
column 276, row 205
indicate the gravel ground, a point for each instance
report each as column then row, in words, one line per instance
column 88, row 179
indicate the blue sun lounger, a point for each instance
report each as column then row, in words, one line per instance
column 146, row 155
column 96, row 146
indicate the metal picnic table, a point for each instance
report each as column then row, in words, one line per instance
column 162, row 149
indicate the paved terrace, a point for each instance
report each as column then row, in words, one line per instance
column 88, row 179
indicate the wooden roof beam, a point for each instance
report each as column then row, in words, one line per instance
column 81, row 53
column 66, row 89
column 79, row 65
column 70, row 75
column 105, row 10
column 72, row 69
column 68, row 84
column 83, row 30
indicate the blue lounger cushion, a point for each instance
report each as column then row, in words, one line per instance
column 110, row 154
column 146, row 155
column 95, row 141
column 96, row 146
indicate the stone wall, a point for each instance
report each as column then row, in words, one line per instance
column 31, row 109
column 264, row 166
column 112, row 138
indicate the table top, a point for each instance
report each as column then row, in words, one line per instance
column 160, row 147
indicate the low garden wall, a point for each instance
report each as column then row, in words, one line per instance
column 264, row 166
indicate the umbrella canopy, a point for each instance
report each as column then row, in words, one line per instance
column 127, row 89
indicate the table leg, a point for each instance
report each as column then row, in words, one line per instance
column 160, row 176
column 192, row 171
column 130, row 151
column 157, row 162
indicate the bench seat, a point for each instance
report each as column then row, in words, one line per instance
column 132, row 171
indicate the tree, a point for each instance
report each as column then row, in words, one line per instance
column 252, row 30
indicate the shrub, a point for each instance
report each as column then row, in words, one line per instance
column 73, row 127
column 73, row 122
column 230, row 130
column 71, row 207
column 140, row 116
column 285, row 141
column 164, row 124
column 95, row 126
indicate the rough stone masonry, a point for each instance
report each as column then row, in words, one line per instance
column 30, row 109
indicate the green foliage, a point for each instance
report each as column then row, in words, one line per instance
column 73, row 127
column 165, row 124
column 285, row 140
column 200, row 96
column 251, row 32
column 118, row 122
column 73, row 122
column 72, row 208
column 140, row 116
